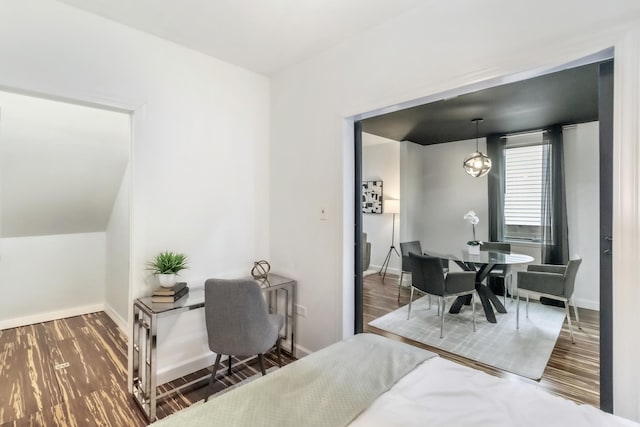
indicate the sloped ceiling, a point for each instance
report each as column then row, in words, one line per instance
column 61, row 166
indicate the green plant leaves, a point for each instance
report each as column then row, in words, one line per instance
column 167, row 262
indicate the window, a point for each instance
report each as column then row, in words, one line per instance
column 523, row 190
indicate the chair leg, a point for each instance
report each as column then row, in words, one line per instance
column 568, row 311
column 438, row 303
column 442, row 301
column 518, row 310
column 429, row 302
column 410, row 301
column 400, row 285
column 278, row 352
column 229, row 370
column 261, row 360
column 473, row 304
column 527, row 305
column 575, row 309
column 504, row 296
column 216, row 365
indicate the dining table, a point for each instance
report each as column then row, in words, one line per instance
column 482, row 264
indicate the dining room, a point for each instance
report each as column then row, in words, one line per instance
column 420, row 165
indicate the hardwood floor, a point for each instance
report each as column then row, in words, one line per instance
column 92, row 389
column 573, row 370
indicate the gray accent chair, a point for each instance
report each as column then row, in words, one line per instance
column 238, row 323
column 552, row 281
column 428, row 277
column 366, row 252
column 502, row 271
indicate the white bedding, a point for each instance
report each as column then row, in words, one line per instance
column 442, row 393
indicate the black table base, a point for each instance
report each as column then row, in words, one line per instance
column 487, row 297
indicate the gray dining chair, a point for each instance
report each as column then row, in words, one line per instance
column 238, row 323
column 428, row 277
column 552, row 281
column 502, row 271
column 405, row 249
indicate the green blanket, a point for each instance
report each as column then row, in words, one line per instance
column 327, row 388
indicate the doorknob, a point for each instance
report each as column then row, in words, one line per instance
column 608, row 238
column 607, row 252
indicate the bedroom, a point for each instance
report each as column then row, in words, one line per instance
column 177, row 93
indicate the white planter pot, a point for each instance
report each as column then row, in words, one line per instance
column 167, row 280
column 473, row 250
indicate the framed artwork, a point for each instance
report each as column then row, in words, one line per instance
column 372, row 197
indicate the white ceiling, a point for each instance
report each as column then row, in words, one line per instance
column 61, row 166
column 260, row 35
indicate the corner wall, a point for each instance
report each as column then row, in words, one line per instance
column 49, row 277
column 200, row 179
column 116, row 292
column 381, row 161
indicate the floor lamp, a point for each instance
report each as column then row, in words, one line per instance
column 391, row 206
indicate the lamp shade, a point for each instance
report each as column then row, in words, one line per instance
column 392, row 206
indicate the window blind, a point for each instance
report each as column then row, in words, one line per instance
column 523, row 185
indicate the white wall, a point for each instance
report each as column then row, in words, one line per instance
column 46, row 277
column 116, row 293
column 439, row 193
column 381, row 161
column 200, row 161
column 425, row 53
column 582, row 181
column 445, row 193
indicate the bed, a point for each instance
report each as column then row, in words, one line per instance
column 368, row 380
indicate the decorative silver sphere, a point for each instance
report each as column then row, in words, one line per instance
column 477, row 164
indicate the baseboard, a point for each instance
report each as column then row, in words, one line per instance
column 119, row 321
column 171, row 372
column 585, row 303
column 390, row 270
column 52, row 315
column 302, row 351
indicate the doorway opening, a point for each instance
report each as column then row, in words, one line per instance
column 595, row 129
column 64, row 209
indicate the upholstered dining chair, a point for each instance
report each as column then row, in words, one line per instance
column 428, row 277
column 405, row 248
column 552, row 281
column 416, row 248
column 238, row 323
column 502, row 271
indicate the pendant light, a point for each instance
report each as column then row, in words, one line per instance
column 477, row 164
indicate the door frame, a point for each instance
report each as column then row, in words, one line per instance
column 606, row 183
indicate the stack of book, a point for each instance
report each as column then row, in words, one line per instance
column 171, row 294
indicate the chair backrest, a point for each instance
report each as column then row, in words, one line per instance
column 405, row 249
column 495, row 246
column 236, row 317
column 427, row 273
column 570, row 276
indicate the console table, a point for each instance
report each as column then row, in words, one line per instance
column 145, row 324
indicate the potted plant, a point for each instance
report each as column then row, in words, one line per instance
column 166, row 265
column 473, row 246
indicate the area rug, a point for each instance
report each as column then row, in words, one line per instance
column 523, row 352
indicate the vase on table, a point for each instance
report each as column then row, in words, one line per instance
column 473, row 249
column 167, row 280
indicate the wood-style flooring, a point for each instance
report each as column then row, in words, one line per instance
column 37, row 388
column 573, row 370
